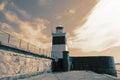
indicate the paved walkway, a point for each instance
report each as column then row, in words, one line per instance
column 74, row 75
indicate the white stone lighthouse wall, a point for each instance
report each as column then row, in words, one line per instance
column 13, row 63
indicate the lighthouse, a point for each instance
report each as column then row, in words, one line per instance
column 58, row 43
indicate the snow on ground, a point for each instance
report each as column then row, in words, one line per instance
column 73, row 75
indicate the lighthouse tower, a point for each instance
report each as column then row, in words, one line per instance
column 58, row 43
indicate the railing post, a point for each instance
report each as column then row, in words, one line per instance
column 20, row 43
column 27, row 46
column 34, row 47
column 43, row 51
column 49, row 53
column 8, row 38
column 46, row 53
column 39, row 51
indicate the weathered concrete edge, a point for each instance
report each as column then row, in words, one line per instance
column 22, row 76
column 115, row 78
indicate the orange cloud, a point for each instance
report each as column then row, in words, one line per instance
column 6, row 27
column 12, row 17
column 29, row 31
column 75, row 15
column 2, row 5
column 72, row 11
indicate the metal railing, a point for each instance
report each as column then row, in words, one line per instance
column 12, row 41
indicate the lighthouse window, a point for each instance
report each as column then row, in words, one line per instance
column 59, row 40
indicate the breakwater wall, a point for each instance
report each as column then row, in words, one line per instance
column 12, row 63
column 98, row 64
column 18, row 57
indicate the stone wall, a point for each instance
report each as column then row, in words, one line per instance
column 98, row 64
column 12, row 63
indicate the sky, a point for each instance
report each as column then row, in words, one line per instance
column 92, row 26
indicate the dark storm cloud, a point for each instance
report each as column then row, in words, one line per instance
column 58, row 11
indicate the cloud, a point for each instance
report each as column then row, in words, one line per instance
column 30, row 31
column 72, row 11
column 27, row 29
column 9, row 6
column 74, row 15
column 102, row 30
column 6, row 27
column 20, row 11
column 2, row 5
column 66, row 13
column 12, row 17
column 45, row 2
column 33, row 30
